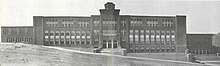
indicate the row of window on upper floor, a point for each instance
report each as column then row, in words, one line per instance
column 137, row 23
column 153, row 32
column 67, row 37
column 17, row 31
column 112, row 22
column 68, row 24
column 147, row 32
column 66, row 33
column 66, row 20
column 152, row 23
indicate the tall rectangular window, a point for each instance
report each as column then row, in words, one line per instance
column 147, row 32
column 147, row 39
column 142, row 31
column 57, row 33
column 51, row 33
column 142, row 38
column 136, row 37
column 62, row 33
column 131, row 38
column 46, row 33
column 136, row 31
column 131, row 31
column 152, row 32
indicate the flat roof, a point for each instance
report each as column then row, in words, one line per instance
column 199, row 34
column 119, row 15
column 17, row 26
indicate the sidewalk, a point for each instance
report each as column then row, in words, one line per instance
column 128, row 57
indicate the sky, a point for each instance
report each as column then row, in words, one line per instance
column 202, row 16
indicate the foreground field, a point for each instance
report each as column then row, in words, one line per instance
column 33, row 55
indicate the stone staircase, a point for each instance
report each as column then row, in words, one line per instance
column 115, row 51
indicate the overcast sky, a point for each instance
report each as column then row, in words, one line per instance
column 202, row 16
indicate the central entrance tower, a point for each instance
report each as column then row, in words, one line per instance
column 110, row 27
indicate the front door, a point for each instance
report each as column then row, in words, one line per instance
column 110, row 44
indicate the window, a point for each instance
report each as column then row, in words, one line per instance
column 147, row 32
column 136, row 22
column 173, row 39
column 136, row 38
column 67, row 33
column 72, row 42
column 96, row 22
column 88, row 37
column 77, row 37
column 109, row 22
column 110, row 32
column 77, row 33
column 87, row 42
column 142, row 38
column 46, row 33
column 142, row 31
column 147, row 38
column 51, row 33
column 131, row 38
column 123, row 22
column 168, row 37
column 72, row 37
column 5, row 31
column 162, row 32
column 62, row 33
column 87, row 33
column 57, row 42
column 51, row 23
column 57, row 37
column 123, row 32
column 57, row 33
column 21, row 31
column 136, row 31
column 51, row 37
column 157, row 32
column 152, row 32
column 167, row 32
column 131, row 31
column 62, row 37
column 168, row 49
column 51, row 42
column 67, row 42
column 152, row 38
column 61, row 42
column 83, row 23
column 172, row 32
column 163, row 39
column 96, row 32
column 83, row 42
column 67, row 37
column 72, row 33
column 157, row 37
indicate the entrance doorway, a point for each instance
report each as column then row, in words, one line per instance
column 110, row 44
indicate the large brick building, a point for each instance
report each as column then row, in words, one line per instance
column 112, row 30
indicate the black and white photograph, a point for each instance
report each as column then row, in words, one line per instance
column 110, row 32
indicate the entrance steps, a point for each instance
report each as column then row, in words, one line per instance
column 115, row 51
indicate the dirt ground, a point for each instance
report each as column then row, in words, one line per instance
column 36, row 55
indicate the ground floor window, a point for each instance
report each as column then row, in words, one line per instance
column 87, row 42
column 57, row 42
column 51, row 42
column 72, row 42
column 67, row 42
